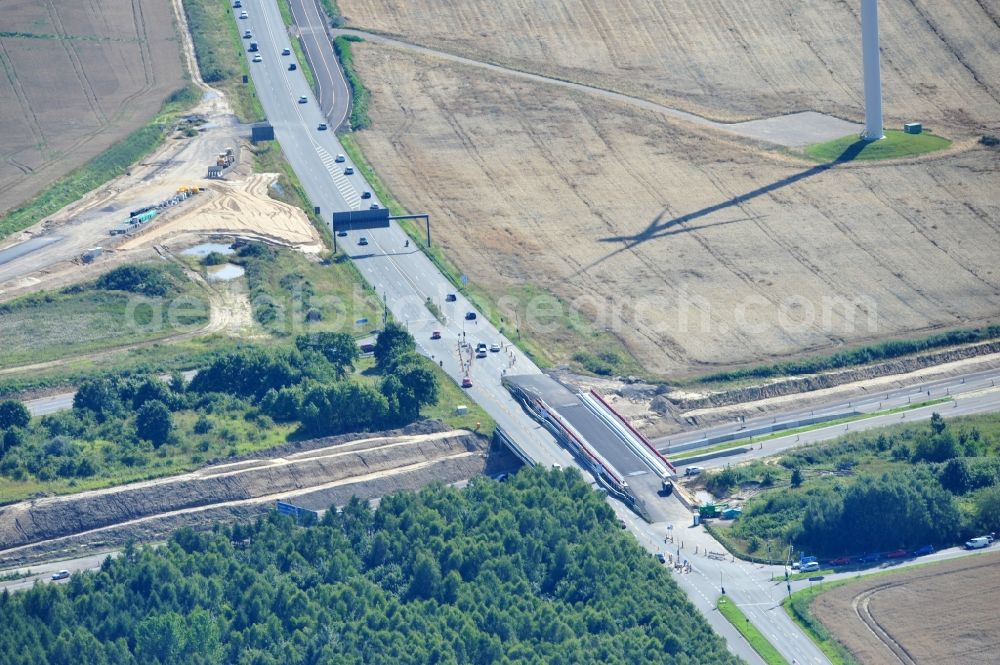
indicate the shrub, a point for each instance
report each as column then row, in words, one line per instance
column 13, row 414
column 142, row 279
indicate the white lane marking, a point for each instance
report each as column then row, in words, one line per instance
column 344, row 186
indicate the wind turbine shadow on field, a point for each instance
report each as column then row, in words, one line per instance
column 660, row 228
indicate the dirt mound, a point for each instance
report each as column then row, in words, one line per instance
column 241, row 207
column 303, row 468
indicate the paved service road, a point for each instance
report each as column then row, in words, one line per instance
column 42, row 572
column 978, row 392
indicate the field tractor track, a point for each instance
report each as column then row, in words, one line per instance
column 22, row 98
column 861, row 604
column 992, row 13
column 980, row 81
column 81, row 73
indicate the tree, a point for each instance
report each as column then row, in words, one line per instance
column 97, row 395
column 394, row 340
column 339, row 349
column 13, row 414
column 408, row 388
column 796, row 477
column 11, row 439
column 937, row 423
column 153, row 422
column 247, row 373
column 151, row 389
column 988, row 509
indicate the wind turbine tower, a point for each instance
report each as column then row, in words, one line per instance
column 873, row 77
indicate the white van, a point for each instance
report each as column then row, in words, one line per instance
column 977, row 543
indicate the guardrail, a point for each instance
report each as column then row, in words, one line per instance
column 639, row 435
column 602, row 470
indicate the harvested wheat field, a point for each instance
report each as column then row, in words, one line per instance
column 944, row 613
column 79, row 77
column 728, row 60
column 695, row 249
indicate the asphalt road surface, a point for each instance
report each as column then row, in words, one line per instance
column 974, row 393
column 334, row 93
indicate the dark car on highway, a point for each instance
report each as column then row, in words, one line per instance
column 451, row 297
column 470, row 316
column 870, row 558
column 923, row 551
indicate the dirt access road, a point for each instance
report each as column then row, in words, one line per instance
column 943, row 613
column 79, row 77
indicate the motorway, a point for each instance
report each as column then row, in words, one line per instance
column 334, row 93
column 406, row 279
column 402, row 275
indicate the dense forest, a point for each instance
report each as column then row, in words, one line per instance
column 125, row 426
column 530, row 570
column 936, row 483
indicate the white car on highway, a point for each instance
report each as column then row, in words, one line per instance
column 61, row 575
column 257, row 58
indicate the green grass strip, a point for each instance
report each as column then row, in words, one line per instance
column 359, row 93
column 805, row 428
column 760, row 644
column 896, row 144
column 863, row 355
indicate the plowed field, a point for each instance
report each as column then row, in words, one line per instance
column 78, row 76
column 941, row 614
column 728, row 60
column 695, row 249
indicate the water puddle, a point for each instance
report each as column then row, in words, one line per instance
column 224, row 272
column 207, row 248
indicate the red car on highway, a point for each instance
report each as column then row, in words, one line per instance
column 840, row 561
column 897, row 554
